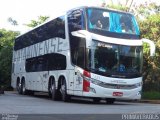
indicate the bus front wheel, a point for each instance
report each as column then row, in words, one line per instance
column 110, row 100
column 96, row 100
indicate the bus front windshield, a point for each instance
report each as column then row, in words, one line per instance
column 115, row 60
column 108, row 22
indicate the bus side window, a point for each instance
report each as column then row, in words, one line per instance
column 56, row 28
column 56, row 61
column 41, row 64
column 61, row 60
column 30, row 65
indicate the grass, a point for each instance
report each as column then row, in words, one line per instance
column 151, row 95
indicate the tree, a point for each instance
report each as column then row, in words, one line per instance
column 12, row 21
column 7, row 38
column 148, row 16
column 6, row 45
column 125, row 6
column 150, row 28
column 34, row 23
column 143, row 11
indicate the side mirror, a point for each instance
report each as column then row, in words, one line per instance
column 152, row 46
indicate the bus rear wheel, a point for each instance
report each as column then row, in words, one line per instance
column 63, row 89
column 23, row 88
column 19, row 87
column 24, row 91
column 53, row 93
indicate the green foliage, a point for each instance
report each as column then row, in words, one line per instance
column 118, row 7
column 148, row 16
column 34, row 23
column 146, row 10
column 146, row 49
column 152, row 95
column 150, row 28
column 13, row 22
column 6, row 45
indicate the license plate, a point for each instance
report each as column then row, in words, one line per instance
column 118, row 94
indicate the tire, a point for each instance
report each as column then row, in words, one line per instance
column 63, row 89
column 19, row 87
column 1, row 90
column 96, row 100
column 53, row 93
column 50, row 90
column 110, row 100
column 23, row 88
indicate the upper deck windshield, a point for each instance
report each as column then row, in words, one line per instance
column 115, row 60
column 112, row 23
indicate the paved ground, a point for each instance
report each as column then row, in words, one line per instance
column 11, row 102
column 41, row 106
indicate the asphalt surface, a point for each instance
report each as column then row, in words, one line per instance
column 40, row 106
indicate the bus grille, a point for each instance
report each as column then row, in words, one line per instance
column 117, row 86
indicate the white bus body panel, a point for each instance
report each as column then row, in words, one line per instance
column 104, row 92
column 108, row 92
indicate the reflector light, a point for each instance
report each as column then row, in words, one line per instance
column 86, row 83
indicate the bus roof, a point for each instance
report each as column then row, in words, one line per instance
column 63, row 13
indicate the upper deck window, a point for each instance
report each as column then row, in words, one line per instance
column 76, row 20
column 54, row 28
column 112, row 23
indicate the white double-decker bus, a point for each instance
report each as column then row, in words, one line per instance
column 88, row 52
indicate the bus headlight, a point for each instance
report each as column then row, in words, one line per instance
column 97, row 82
column 92, row 90
column 138, row 84
column 139, row 93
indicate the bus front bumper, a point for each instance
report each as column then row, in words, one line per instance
column 101, row 92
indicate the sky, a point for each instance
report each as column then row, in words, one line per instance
column 23, row 11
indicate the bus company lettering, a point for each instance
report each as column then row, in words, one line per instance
column 45, row 47
column 118, row 81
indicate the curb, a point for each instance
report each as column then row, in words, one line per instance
column 141, row 101
column 150, row 101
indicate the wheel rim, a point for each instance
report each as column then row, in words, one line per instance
column 19, row 87
column 63, row 91
column 23, row 87
column 52, row 89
